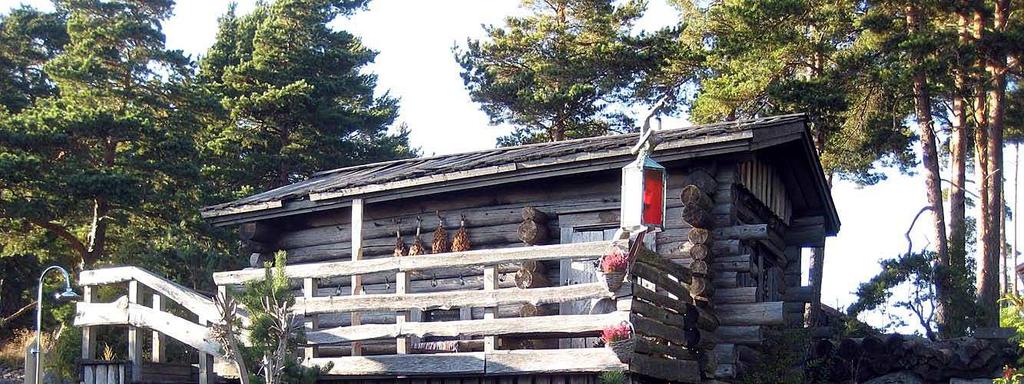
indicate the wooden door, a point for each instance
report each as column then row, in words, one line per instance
column 572, row 272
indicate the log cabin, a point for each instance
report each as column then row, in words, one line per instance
column 486, row 267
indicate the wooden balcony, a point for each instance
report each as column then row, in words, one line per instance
column 387, row 327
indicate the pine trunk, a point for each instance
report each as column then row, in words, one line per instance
column 930, row 161
column 989, row 288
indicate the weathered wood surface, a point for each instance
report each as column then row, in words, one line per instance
column 552, row 361
column 647, row 346
column 121, row 312
column 740, row 295
column 653, row 259
column 547, row 326
column 742, row 232
column 185, row 297
column 683, row 371
column 414, row 263
column 744, row 335
column 765, row 313
column 660, row 279
column 453, row 299
column 495, row 363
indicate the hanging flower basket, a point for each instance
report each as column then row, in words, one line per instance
column 620, row 340
column 614, row 279
column 614, row 266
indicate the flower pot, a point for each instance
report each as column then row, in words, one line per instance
column 614, row 279
column 623, row 348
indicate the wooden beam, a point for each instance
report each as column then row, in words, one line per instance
column 799, row 294
column 481, row 257
column 552, row 361
column 357, row 255
column 134, row 333
column 653, row 259
column 516, row 326
column 682, row 371
column 744, row 335
column 475, row 363
column 88, row 333
column 740, row 295
column 311, row 321
column 453, row 299
column 742, row 232
column 403, row 365
column 121, row 312
column 491, row 312
column 191, row 300
column 159, row 347
column 660, row 279
column 765, row 313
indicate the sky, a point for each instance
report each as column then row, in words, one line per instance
column 415, row 64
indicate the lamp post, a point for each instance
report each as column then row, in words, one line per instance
column 67, row 295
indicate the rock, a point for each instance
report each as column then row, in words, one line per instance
column 897, row 378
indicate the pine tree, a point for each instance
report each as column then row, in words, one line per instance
column 113, row 155
column 295, row 97
column 558, row 73
column 28, row 39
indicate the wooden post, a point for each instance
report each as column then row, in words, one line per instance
column 206, row 374
column 159, row 340
column 490, row 284
column 357, row 254
column 309, row 288
column 88, row 333
column 134, row 333
column 402, row 286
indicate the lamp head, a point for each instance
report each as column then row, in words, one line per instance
column 67, row 295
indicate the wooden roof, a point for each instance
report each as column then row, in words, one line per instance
column 427, row 175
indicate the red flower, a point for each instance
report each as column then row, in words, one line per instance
column 1008, row 372
column 615, row 261
column 615, row 333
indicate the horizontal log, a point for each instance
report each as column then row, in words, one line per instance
column 494, row 363
column 679, row 272
column 750, row 335
column 647, row 346
column 452, row 299
column 799, row 294
column 765, row 313
column 682, row 371
column 553, row 361
column 121, row 312
column 187, row 298
column 742, row 232
column 424, row 262
column 740, row 295
column 659, row 278
column 557, row 325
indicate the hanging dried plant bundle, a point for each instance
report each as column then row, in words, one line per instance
column 417, row 245
column 461, row 240
column 400, row 248
column 440, row 244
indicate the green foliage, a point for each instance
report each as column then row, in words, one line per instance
column 916, row 272
column 294, row 96
column 557, row 73
column 783, row 351
column 28, row 38
column 786, row 56
column 612, row 377
column 264, row 300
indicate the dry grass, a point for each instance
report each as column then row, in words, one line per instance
column 12, row 351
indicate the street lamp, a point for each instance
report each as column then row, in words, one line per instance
column 67, row 295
